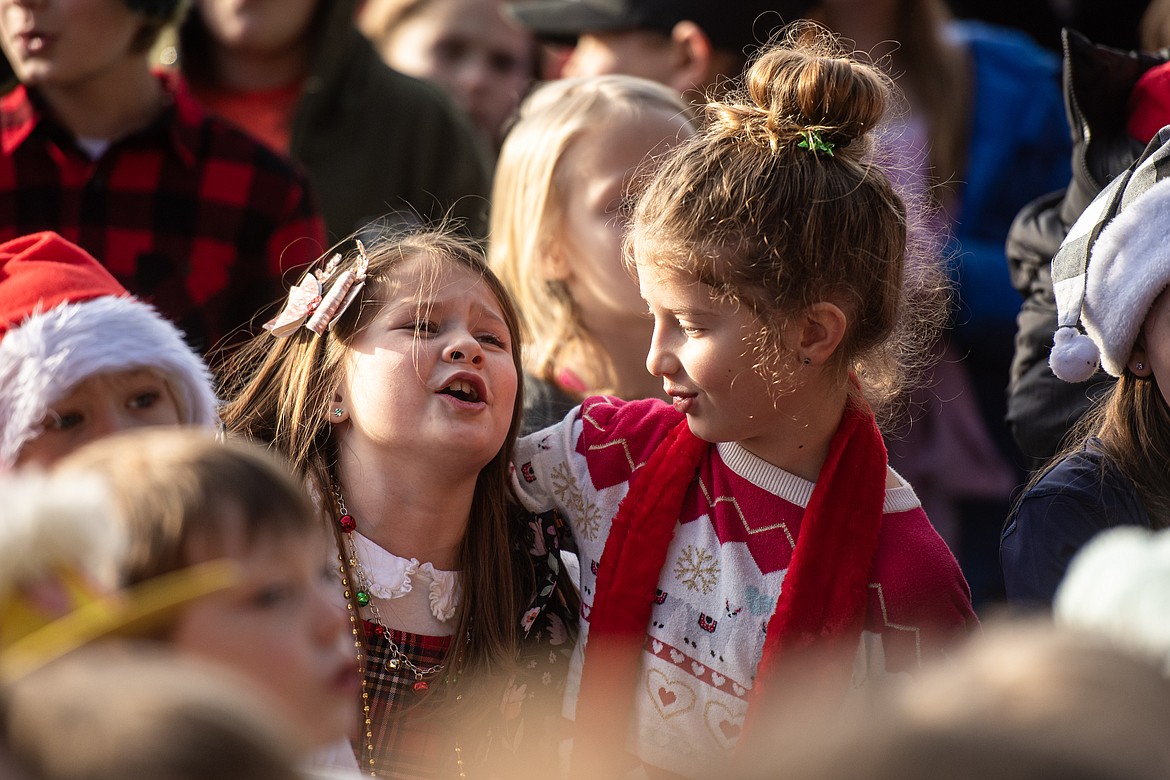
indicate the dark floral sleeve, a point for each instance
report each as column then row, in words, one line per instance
column 529, row 726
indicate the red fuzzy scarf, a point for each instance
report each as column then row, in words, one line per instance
column 822, row 603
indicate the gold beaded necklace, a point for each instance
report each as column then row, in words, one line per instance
column 367, row 722
column 361, row 596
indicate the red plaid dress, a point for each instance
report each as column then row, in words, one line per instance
column 412, row 735
column 408, row 740
column 188, row 213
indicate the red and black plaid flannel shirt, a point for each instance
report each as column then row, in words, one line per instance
column 190, row 214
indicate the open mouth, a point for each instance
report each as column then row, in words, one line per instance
column 463, row 390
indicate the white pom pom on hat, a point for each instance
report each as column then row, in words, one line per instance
column 1074, row 356
column 1110, row 268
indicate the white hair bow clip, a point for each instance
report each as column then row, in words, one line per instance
column 309, row 300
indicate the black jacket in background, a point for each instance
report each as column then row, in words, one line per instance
column 1098, row 81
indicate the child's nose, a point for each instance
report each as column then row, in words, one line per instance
column 659, row 360
column 465, row 348
column 106, row 420
column 473, row 76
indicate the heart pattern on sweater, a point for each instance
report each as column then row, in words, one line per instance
column 671, row 697
column 723, row 724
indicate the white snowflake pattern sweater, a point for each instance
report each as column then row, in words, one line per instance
column 724, row 569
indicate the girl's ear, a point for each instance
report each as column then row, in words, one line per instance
column 820, row 332
column 338, row 411
column 553, row 265
column 691, row 55
column 1139, row 361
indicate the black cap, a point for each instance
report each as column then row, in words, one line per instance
column 735, row 25
column 157, row 10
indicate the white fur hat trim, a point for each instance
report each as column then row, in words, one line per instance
column 1129, row 267
column 52, row 351
column 47, row 522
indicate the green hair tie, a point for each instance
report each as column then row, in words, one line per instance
column 815, row 143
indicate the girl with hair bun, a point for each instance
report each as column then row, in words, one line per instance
column 772, row 252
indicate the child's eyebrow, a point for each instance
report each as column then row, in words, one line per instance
column 692, row 310
column 491, row 314
column 683, row 310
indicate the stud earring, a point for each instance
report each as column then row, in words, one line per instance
column 338, row 412
column 1140, row 367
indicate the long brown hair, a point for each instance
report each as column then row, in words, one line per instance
column 279, row 390
column 938, row 73
column 1131, row 422
column 747, row 207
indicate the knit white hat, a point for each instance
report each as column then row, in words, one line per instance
column 1112, row 265
column 1119, row 583
column 64, row 318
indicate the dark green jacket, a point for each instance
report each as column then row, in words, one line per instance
column 375, row 142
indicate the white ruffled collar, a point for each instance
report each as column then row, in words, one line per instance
column 392, row 577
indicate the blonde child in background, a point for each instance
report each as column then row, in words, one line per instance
column 187, row 499
column 400, row 410
column 772, row 252
column 559, row 213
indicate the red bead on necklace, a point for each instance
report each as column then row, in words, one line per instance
column 361, row 595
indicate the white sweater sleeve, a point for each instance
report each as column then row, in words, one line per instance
column 541, row 462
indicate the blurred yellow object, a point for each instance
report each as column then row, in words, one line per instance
column 28, row 641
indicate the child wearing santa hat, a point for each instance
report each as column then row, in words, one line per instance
column 81, row 358
column 1111, row 279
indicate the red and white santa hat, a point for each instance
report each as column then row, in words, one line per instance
column 64, row 318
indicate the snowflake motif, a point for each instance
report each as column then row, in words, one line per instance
column 590, row 523
column 564, row 486
column 546, row 678
column 697, row 569
column 566, row 490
